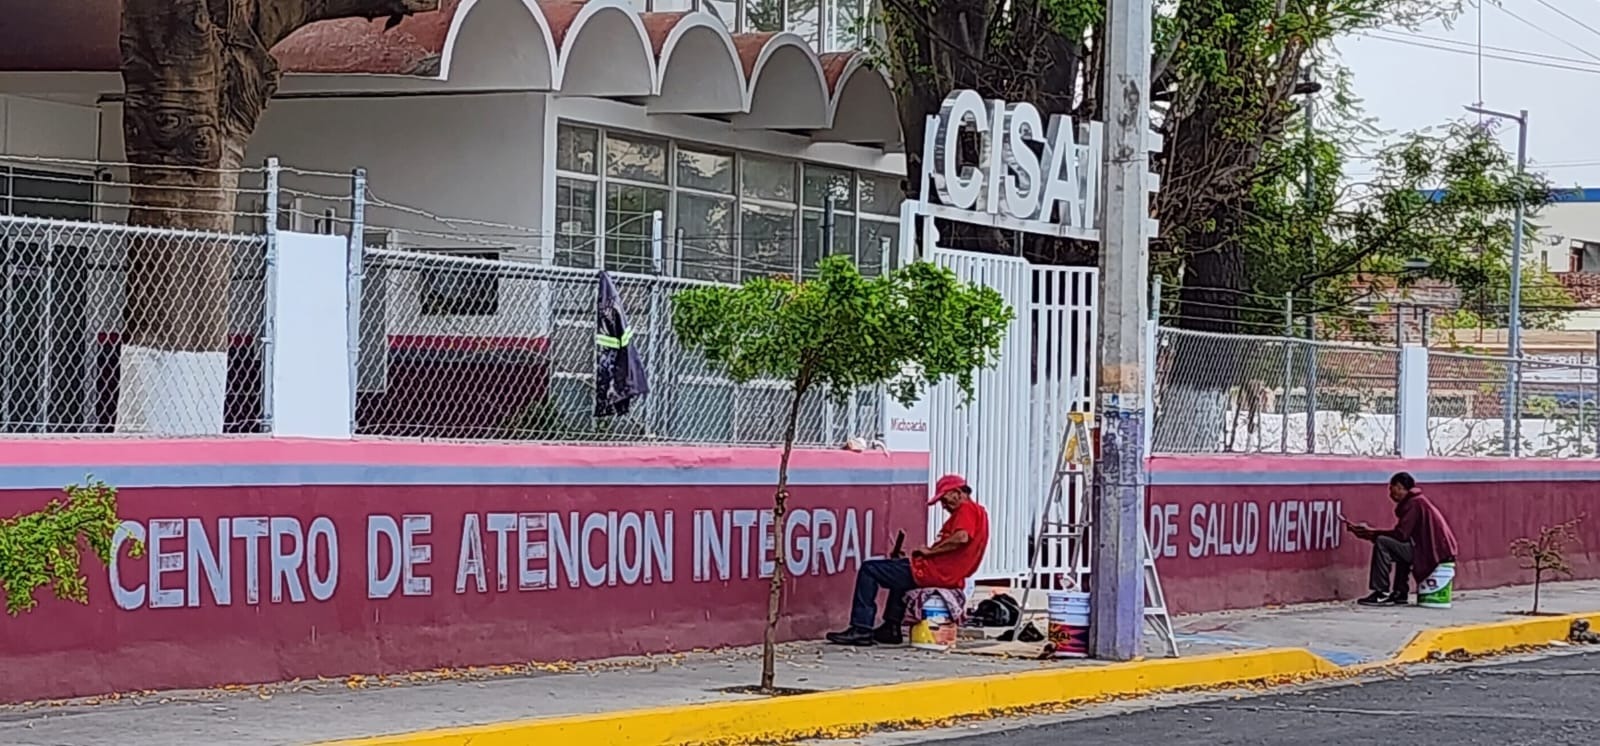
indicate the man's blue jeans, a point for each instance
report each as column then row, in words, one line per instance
column 892, row 575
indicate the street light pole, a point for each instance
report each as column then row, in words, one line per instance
column 1117, row 600
column 1513, row 423
column 1309, row 87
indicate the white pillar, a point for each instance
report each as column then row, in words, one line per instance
column 1411, row 404
column 311, row 385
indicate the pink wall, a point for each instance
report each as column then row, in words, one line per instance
column 580, row 552
column 367, row 557
column 1246, row 531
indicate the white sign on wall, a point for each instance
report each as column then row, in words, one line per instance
column 1030, row 176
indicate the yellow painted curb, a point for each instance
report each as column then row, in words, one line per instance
column 829, row 713
column 1493, row 637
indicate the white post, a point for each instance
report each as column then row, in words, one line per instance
column 1411, row 404
column 356, row 269
column 269, row 327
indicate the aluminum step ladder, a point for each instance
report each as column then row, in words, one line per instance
column 1064, row 532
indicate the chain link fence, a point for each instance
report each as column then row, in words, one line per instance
column 467, row 345
column 112, row 328
column 1554, row 415
column 1228, row 393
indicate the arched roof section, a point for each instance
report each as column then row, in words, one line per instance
column 499, row 44
column 787, row 90
column 604, row 50
column 861, row 104
column 698, row 63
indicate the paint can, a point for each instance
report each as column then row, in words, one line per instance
column 937, row 630
column 1069, row 623
column 1435, row 591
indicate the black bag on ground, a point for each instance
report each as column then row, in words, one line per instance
column 999, row 610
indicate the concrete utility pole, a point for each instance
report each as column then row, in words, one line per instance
column 1117, row 611
column 1513, row 419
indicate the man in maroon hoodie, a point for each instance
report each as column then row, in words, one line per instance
column 1420, row 541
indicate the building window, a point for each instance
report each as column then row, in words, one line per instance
column 705, row 215
column 822, row 187
column 44, row 194
column 726, row 216
column 879, row 241
column 462, row 289
column 577, row 189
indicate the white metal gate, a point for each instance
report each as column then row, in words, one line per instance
column 1005, row 439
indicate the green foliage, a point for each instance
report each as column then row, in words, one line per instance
column 44, row 548
column 844, row 332
column 1448, row 198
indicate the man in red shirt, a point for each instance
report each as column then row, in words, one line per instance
column 952, row 559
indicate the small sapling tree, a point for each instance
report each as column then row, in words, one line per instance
column 1547, row 555
column 44, row 548
column 839, row 333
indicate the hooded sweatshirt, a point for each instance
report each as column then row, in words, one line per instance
column 1419, row 522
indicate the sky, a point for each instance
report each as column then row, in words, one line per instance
column 1539, row 55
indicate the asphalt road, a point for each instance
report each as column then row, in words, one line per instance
column 1553, row 700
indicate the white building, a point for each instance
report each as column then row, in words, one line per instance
column 571, row 120
column 549, row 131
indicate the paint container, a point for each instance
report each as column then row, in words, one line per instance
column 936, row 631
column 1069, row 623
column 1435, row 592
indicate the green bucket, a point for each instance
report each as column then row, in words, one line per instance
column 1434, row 593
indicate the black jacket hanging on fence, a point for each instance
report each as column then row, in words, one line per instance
column 619, row 375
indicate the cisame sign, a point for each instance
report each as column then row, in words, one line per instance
column 1028, row 175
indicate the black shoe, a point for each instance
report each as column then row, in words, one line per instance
column 888, row 634
column 1374, row 599
column 860, row 638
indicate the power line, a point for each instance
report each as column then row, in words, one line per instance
column 1504, row 58
column 1570, row 17
column 1536, row 27
column 1388, row 35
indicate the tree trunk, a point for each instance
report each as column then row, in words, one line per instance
column 780, row 508
column 1538, row 575
column 196, row 76
column 1202, row 370
column 191, row 101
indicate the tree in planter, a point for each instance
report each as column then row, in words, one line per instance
column 44, row 548
column 196, row 76
column 1547, row 555
column 839, row 333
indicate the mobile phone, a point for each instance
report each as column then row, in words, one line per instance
column 899, row 544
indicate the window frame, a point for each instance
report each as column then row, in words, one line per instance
column 671, row 263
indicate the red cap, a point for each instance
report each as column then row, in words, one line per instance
column 945, row 484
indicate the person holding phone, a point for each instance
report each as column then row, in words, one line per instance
column 947, row 563
column 1419, row 543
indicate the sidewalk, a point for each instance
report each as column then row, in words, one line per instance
column 316, row 711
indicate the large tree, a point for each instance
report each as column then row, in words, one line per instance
column 1239, row 228
column 197, row 75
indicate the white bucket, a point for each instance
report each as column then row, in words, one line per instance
column 937, row 630
column 1069, row 623
column 1435, row 592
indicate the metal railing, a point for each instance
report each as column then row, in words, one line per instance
column 1554, row 417
column 1224, row 393
column 100, row 325
column 469, row 347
